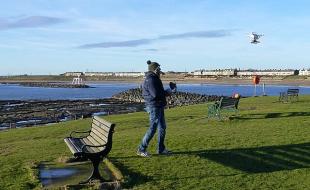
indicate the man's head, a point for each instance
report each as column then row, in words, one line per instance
column 154, row 67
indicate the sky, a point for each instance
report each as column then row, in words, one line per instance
column 53, row 37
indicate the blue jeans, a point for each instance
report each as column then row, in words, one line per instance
column 157, row 121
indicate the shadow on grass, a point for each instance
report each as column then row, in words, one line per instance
column 261, row 159
column 132, row 178
column 271, row 115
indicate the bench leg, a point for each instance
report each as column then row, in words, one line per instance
column 95, row 175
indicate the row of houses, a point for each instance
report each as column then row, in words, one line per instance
column 219, row 72
column 105, row 74
column 235, row 72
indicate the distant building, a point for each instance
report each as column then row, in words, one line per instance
column 129, row 74
column 116, row 74
column 104, row 74
column 304, row 72
column 75, row 74
column 266, row 72
column 219, row 72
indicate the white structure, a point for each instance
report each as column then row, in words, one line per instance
column 116, row 74
column 304, row 72
column 75, row 74
column 266, row 73
column 104, row 74
column 129, row 74
column 226, row 72
column 77, row 81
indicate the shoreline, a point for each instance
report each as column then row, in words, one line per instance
column 213, row 81
column 25, row 113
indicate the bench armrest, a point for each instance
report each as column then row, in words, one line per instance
column 79, row 132
column 87, row 145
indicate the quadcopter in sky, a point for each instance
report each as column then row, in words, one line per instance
column 255, row 37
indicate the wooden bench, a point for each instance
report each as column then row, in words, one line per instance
column 94, row 145
column 290, row 95
column 225, row 103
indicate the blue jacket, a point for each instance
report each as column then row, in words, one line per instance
column 153, row 91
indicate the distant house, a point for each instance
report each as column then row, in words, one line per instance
column 266, row 72
column 99, row 74
column 115, row 74
column 75, row 74
column 219, row 72
column 129, row 74
column 304, row 72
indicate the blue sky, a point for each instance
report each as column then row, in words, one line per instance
column 52, row 37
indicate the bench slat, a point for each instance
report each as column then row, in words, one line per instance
column 228, row 102
column 93, row 141
column 106, row 123
column 71, row 146
column 95, row 149
column 102, row 127
column 97, row 138
column 90, row 149
column 102, row 133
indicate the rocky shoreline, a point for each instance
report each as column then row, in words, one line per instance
column 15, row 113
column 176, row 99
column 18, row 113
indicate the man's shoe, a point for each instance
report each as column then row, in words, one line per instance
column 143, row 154
column 165, row 152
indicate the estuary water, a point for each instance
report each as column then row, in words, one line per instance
column 106, row 90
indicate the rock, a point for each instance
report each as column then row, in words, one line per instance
column 176, row 99
column 15, row 113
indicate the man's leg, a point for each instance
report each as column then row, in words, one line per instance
column 161, row 130
column 153, row 113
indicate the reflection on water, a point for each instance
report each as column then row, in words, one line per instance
column 100, row 113
column 48, row 175
column 55, row 176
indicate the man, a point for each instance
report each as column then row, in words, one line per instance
column 155, row 101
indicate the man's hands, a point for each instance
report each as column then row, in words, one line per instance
column 173, row 86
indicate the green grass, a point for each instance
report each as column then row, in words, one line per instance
column 267, row 146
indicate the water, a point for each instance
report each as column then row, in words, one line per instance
column 17, row 92
column 106, row 90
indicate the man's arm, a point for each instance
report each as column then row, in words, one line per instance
column 155, row 88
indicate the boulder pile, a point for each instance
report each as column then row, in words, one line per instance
column 176, row 99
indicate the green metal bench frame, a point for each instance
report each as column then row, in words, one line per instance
column 95, row 145
column 225, row 103
column 290, row 95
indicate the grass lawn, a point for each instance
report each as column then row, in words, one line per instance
column 267, row 146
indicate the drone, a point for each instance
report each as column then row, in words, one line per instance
column 254, row 37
